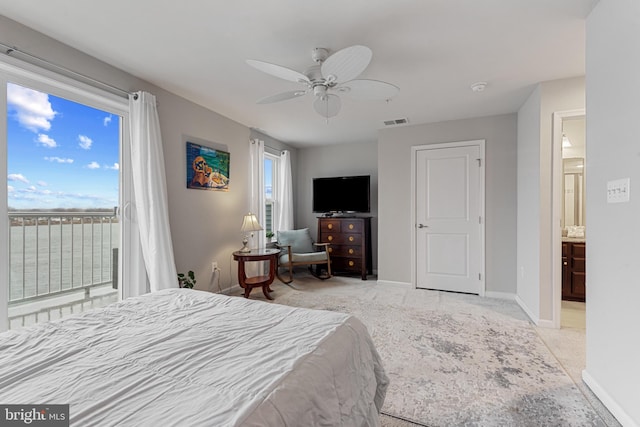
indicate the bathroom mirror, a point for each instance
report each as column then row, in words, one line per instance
column 573, row 190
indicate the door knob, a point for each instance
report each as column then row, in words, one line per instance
column 422, row 226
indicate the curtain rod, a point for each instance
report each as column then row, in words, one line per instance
column 12, row 49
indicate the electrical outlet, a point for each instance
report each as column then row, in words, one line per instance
column 214, row 266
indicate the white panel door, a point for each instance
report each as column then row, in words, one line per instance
column 448, row 219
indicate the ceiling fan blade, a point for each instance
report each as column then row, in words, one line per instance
column 278, row 71
column 368, row 89
column 281, row 96
column 327, row 105
column 346, row 64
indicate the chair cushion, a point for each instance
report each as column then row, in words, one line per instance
column 299, row 240
column 310, row 258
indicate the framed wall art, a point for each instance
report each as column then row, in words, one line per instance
column 207, row 168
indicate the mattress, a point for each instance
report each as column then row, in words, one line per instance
column 182, row 357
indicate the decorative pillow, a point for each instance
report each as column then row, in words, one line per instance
column 299, row 240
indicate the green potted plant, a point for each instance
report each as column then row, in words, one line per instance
column 188, row 280
column 269, row 235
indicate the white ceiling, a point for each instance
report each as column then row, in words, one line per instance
column 432, row 49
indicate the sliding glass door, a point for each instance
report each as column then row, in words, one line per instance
column 63, row 154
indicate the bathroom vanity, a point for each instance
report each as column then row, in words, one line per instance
column 573, row 269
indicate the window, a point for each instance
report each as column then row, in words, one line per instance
column 271, row 169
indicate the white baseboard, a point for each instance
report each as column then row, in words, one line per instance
column 528, row 312
column 392, row 283
column 613, row 407
column 500, row 295
column 543, row 323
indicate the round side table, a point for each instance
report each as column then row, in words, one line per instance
column 248, row 283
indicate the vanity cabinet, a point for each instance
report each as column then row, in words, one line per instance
column 573, row 271
column 350, row 239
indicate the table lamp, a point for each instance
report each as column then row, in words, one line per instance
column 249, row 225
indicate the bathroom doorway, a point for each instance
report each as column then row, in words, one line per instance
column 570, row 219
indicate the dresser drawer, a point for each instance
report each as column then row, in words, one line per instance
column 330, row 225
column 345, row 250
column 341, row 238
column 346, row 264
column 352, row 226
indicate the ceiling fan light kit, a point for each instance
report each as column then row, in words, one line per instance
column 332, row 74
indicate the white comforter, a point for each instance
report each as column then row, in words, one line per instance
column 189, row 358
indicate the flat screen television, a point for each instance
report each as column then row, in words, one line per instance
column 348, row 194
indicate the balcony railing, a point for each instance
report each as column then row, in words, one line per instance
column 55, row 254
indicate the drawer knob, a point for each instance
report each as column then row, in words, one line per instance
column 351, row 238
column 330, row 250
column 330, row 238
column 351, row 251
column 351, row 263
column 350, row 226
column 330, row 226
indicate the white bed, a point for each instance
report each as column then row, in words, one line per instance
column 189, row 358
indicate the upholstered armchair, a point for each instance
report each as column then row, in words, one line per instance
column 297, row 248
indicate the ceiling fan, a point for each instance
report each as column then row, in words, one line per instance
column 332, row 74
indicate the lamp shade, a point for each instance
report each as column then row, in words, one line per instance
column 250, row 223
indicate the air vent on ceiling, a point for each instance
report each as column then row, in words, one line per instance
column 396, row 122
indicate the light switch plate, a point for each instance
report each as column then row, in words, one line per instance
column 618, row 190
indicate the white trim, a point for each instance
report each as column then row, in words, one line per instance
column 275, row 203
column 500, row 295
column 556, row 213
column 526, row 310
column 609, row 402
column 4, row 211
column 392, row 283
column 480, row 143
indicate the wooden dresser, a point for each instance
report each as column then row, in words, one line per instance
column 573, row 271
column 350, row 240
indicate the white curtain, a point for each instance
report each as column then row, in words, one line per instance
column 285, row 193
column 256, row 204
column 150, row 189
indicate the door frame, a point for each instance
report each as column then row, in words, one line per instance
column 556, row 211
column 480, row 143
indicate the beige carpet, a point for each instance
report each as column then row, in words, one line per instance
column 452, row 359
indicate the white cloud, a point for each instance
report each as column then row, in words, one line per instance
column 46, row 140
column 42, row 184
column 85, row 141
column 59, row 159
column 107, row 120
column 114, row 167
column 93, row 165
column 30, row 108
column 10, row 189
column 17, row 177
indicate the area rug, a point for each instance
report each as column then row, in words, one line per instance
column 461, row 360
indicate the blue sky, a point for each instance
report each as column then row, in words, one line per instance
column 61, row 154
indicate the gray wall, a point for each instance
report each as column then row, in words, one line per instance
column 336, row 160
column 205, row 225
column 394, row 188
column 613, row 230
column 528, row 247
